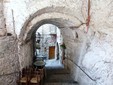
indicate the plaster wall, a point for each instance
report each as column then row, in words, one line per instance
column 97, row 61
column 96, row 55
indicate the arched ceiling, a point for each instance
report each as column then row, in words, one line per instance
column 51, row 16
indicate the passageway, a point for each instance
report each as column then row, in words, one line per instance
column 59, row 76
column 57, row 73
column 73, row 42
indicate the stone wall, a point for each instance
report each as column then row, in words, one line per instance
column 22, row 15
column 95, row 56
column 9, row 62
column 25, row 54
column 1, row 15
column 2, row 20
column 9, row 79
column 98, row 60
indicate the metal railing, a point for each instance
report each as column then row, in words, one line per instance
column 81, row 69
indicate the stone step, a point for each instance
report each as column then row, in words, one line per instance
column 57, row 71
column 56, row 78
column 59, row 76
column 65, row 81
column 60, row 79
column 60, row 84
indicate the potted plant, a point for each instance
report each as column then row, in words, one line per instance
column 37, row 46
column 63, row 50
column 63, row 46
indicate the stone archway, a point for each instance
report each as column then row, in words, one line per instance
column 54, row 15
column 72, row 29
column 47, row 15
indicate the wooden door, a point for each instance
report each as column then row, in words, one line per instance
column 51, row 52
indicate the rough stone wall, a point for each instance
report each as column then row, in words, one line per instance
column 76, row 41
column 1, row 15
column 9, row 61
column 25, row 54
column 96, row 58
column 9, row 79
column 2, row 20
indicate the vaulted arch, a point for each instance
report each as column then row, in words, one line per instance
column 58, row 16
column 53, row 15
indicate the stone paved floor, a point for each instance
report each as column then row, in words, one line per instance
column 60, row 84
column 59, row 76
column 53, row 63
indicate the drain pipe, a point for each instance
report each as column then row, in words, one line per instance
column 88, row 17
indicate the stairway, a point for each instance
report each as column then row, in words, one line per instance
column 59, row 76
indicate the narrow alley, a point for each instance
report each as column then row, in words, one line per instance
column 57, row 74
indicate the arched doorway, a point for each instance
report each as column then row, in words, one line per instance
column 61, row 20
column 66, row 23
column 47, row 45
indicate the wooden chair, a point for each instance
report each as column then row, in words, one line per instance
column 35, row 78
column 23, row 77
column 41, row 73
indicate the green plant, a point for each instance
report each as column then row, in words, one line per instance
column 37, row 46
column 63, row 46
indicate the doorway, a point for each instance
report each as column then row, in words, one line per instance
column 48, row 40
column 51, row 52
